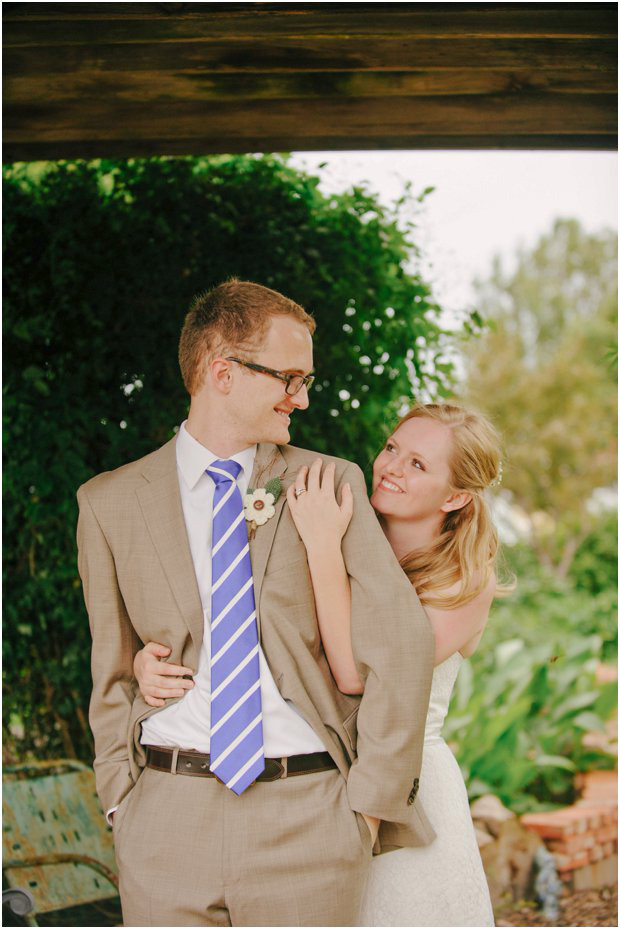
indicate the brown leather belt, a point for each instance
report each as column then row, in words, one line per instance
column 193, row 764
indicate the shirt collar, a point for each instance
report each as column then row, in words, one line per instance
column 193, row 458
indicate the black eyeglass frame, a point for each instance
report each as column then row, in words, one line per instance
column 306, row 381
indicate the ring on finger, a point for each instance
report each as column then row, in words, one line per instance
column 300, row 490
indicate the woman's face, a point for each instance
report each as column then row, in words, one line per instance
column 411, row 476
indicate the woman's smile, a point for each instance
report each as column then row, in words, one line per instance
column 390, row 486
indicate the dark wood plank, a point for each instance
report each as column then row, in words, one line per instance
column 136, row 148
column 149, row 86
column 104, row 119
column 50, row 23
column 294, row 55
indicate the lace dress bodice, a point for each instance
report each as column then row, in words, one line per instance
column 444, row 679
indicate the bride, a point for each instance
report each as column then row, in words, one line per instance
column 428, row 492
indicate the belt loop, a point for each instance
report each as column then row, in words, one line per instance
column 284, row 763
column 173, row 763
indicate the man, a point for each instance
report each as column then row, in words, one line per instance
column 255, row 799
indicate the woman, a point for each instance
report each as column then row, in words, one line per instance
column 428, row 485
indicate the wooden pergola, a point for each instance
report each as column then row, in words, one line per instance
column 128, row 79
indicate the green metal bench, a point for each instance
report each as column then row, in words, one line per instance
column 55, row 840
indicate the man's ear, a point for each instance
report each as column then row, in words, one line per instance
column 456, row 501
column 219, row 372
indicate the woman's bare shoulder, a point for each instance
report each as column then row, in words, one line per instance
column 484, row 596
column 478, row 610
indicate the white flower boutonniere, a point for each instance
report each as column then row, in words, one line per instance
column 259, row 504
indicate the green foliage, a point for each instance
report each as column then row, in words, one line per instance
column 544, row 606
column 595, row 565
column 519, row 734
column 101, row 261
column 523, row 703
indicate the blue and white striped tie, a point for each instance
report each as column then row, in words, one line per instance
column 236, row 749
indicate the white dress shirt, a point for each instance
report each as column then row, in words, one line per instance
column 186, row 724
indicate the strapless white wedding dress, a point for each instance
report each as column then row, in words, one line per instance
column 441, row 884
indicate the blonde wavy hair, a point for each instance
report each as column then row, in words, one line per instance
column 467, row 548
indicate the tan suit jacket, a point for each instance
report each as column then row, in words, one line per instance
column 139, row 585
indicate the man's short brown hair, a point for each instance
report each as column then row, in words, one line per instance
column 234, row 315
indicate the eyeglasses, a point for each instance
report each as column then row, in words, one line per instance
column 294, row 382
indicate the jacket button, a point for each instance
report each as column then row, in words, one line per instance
column 414, row 791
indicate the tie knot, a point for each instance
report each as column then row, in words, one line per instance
column 225, row 470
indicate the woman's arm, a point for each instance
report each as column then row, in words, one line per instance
column 158, row 681
column 332, row 596
column 321, row 523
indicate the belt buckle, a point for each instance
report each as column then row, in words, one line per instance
column 274, row 770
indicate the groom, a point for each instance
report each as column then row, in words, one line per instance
column 254, row 799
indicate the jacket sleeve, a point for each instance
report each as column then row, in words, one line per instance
column 393, row 647
column 114, row 645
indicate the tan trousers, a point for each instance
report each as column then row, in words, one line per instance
column 285, row 853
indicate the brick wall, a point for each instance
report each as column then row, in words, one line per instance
column 584, row 837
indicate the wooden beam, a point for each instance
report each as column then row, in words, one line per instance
column 406, row 117
column 69, row 23
column 185, row 78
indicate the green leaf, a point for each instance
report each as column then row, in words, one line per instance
column 274, row 486
column 32, row 373
column 575, row 703
column 555, row 761
column 607, row 701
column 589, row 722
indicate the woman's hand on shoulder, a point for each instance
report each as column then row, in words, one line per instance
column 159, row 681
column 320, row 520
column 460, row 629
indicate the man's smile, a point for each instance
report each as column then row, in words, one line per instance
column 286, row 414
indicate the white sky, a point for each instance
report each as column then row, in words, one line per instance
column 484, row 203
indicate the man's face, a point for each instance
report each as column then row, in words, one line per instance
column 260, row 405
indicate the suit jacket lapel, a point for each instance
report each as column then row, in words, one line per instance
column 269, row 463
column 160, row 501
